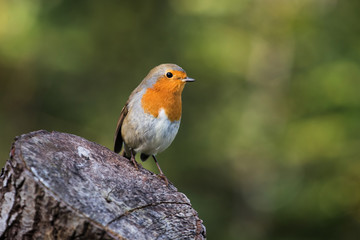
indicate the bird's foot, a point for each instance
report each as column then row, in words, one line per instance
column 134, row 162
column 162, row 176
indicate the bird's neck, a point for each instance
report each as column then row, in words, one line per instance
column 166, row 95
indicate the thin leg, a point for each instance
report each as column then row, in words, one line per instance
column 161, row 172
column 132, row 158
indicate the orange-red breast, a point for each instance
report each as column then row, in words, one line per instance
column 150, row 119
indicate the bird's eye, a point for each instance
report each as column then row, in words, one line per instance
column 169, row 74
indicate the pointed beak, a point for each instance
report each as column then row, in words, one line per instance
column 187, row 79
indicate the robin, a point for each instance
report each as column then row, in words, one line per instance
column 150, row 119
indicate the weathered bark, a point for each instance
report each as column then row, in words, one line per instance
column 61, row 186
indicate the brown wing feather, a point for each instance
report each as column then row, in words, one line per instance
column 118, row 141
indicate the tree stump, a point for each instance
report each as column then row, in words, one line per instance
column 61, row 186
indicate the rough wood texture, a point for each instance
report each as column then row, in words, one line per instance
column 61, row 186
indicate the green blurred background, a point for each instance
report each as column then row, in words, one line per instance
column 269, row 142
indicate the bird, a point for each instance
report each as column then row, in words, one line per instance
column 150, row 119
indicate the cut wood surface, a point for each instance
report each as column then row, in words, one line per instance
column 61, row 186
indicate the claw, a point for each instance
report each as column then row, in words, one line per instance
column 164, row 178
column 133, row 160
column 161, row 175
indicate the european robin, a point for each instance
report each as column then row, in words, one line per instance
column 150, row 119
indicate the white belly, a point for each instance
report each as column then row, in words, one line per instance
column 151, row 135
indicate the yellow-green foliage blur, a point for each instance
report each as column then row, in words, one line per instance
column 269, row 144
